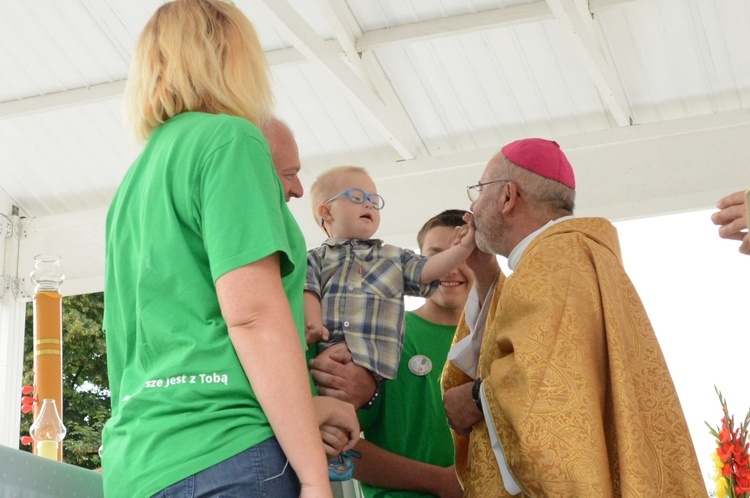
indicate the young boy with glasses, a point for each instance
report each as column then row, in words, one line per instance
column 356, row 285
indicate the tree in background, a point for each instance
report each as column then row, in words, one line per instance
column 86, row 405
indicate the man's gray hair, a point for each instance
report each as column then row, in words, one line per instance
column 542, row 192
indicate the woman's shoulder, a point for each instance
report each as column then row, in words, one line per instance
column 216, row 126
column 205, row 133
column 222, row 122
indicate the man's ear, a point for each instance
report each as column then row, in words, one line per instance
column 508, row 198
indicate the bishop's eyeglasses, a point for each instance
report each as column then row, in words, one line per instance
column 473, row 191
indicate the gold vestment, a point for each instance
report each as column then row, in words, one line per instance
column 575, row 380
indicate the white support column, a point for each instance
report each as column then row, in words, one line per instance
column 12, row 320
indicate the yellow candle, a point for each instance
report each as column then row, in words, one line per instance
column 47, row 449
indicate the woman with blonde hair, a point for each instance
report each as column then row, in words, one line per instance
column 205, row 267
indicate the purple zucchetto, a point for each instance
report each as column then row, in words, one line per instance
column 543, row 157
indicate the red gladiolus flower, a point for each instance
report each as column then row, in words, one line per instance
column 732, row 451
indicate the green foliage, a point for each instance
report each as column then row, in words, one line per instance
column 86, row 404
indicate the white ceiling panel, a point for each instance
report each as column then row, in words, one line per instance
column 380, row 14
column 676, row 59
column 462, row 91
column 329, row 128
column 65, row 161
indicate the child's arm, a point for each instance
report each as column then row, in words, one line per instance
column 443, row 263
column 314, row 329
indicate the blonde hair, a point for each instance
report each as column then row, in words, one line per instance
column 196, row 55
column 326, row 186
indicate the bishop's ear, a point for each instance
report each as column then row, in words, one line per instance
column 508, row 197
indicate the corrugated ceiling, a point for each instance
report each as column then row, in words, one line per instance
column 400, row 87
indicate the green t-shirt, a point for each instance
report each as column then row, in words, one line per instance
column 201, row 200
column 409, row 419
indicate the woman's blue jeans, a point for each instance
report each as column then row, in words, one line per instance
column 262, row 470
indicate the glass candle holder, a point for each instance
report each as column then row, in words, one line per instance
column 47, row 274
column 48, row 430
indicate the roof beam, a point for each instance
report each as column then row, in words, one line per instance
column 469, row 23
column 347, row 31
column 60, row 100
column 601, row 5
column 584, row 32
column 304, row 38
column 455, row 25
column 114, row 89
column 602, row 138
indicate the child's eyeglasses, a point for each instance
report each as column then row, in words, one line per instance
column 358, row 196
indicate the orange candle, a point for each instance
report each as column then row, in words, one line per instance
column 48, row 351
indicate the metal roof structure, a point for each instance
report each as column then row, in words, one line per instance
column 650, row 99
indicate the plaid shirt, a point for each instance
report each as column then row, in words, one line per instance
column 361, row 284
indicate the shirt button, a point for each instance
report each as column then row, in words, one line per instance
column 351, row 287
column 346, row 324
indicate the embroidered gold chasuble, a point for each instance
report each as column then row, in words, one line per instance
column 575, row 380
